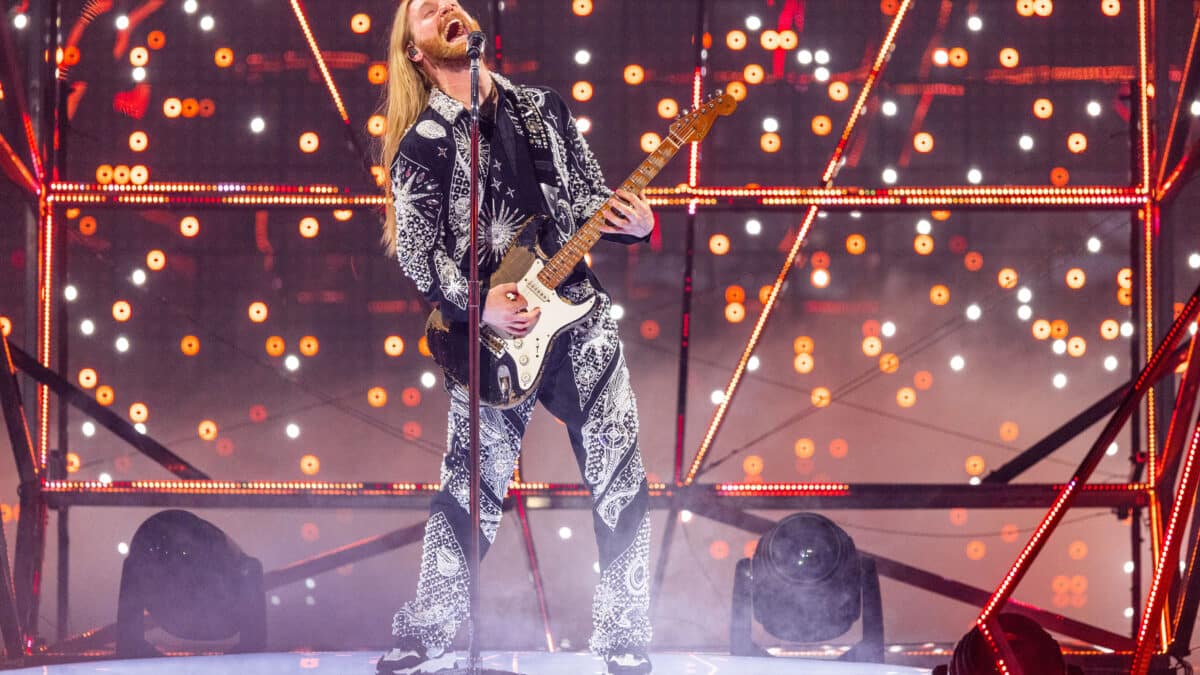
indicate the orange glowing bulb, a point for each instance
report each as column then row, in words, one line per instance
column 650, row 141
column 377, row 73
column 257, row 311
column 839, row 91
column 138, row 141
column 360, row 23
column 393, row 345
column 803, row 345
column 769, row 40
column 309, row 345
column 753, row 73
column 121, row 311
column 718, row 244
column 634, row 74
column 735, row 312
column 923, row 142
column 821, row 125
column 309, row 227
column 139, row 56
column 582, row 91
column 1076, row 278
column 309, row 142
column 88, row 378
column 275, row 346
column 735, row 40
column 803, row 363
column 668, row 108
column 889, row 363
column 939, row 295
column 581, row 7
column 1007, row 278
column 770, row 142
column 1043, row 109
column 1041, row 329
column 736, row 90
column 821, row 397
column 377, row 397
column 923, row 244
column 189, row 345
column 856, row 244
column 1009, row 57
column 906, row 397
column 1077, row 142
column 223, row 57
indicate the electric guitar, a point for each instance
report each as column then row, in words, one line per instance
column 510, row 367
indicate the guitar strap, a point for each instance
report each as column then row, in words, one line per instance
column 539, row 148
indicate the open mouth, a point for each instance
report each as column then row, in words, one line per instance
column 454, row 30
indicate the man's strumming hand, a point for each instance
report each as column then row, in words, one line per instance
column 505, row 309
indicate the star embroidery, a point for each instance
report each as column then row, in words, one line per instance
column 496, row 165
column 496, row 183
column 552, row 117
column 510, row 192
column 441, row 152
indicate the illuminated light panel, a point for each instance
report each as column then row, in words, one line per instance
column 831, row 167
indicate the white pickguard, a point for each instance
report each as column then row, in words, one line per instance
column 529, row 352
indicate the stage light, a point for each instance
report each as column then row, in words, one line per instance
column 360, row 23
column 583, row 57
column 821, row 57
column 20, row 21
column 753, row 22
column 821, row 74
column 804, row 57
column 1093, row 108
column 770, row 124
column 87, row 327
column 139, row 74
column 957, row 363
column 617, row 312
column 806, row 582
column 753, row 227
column 1059, row 347
column 941, row 57
column 207, row 23
column 888, row 108
column 650, row 141
column 820, row 278
column 195, row 582
column 138, row 277
column 1126, row 329
column 974, row 176
column 1195, row 108
column 1009, row 57
column 924, row 226
column 1194, row 261
column 1025, row 142
column 974, row 312
column 1094, row 245
column 291, row 362
column 753, row 363
column 839, row 91
column 190, row 6
column 581, row 7
column 923, row 244
column 887, row 329
column 1059, row 380
column 257, row 125
column 753, row 73
column 1077, row 142
column 889, row 176
column 1024, row 312
column 582, row 91
column 122, row 344
column 769, row 40
column 735, row 40
column 122, row 22
column 428, row 379
column 975, row 24
column 821, row 126
column 1035, row 651
column 716, row 397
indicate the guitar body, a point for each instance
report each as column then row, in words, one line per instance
column 510, row 368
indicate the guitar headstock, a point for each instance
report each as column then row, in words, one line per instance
column 693, row 125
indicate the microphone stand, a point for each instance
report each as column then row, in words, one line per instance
column 474, row 662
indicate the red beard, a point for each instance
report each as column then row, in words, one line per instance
column 444, row 49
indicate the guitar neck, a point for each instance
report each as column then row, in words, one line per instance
column 560, row 266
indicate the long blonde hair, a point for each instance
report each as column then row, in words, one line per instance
column 406, row 95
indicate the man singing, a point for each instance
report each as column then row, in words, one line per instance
column 533, row 160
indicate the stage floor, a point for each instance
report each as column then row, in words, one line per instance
column 528, row 663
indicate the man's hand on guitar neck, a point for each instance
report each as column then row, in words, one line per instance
column 627, row 213
column 506, row 310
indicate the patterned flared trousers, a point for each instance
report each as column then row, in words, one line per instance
column 586, row 386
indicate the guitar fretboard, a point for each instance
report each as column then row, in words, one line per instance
column 561, row 264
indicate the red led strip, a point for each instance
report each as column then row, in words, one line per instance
column 830, row 168
column 320, row 58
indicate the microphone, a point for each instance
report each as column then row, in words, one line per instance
column 474, row 44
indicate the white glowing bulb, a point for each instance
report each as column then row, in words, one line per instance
column 888, row 108
column 105, row 478
column 1126, row 329
column 1113, row 449
column 1094, row 245
column 974, row 312
column 1195, row 108
column 821, row 74
column 1128, row 567
column 770, row 124
column 717, row 396
column 70, row 292
column 257, row 125
column 889, row 175
column 139, row 74
column 292, row 430
column 1060, row 347
column 821, row 57
column 87, row 327
column 1026, row 142
column 583, row 57
column 617, row 312
column 804, row 57
column 596, row 567
column 88, row 429
column 564, row 532
column 206, row 23
column 1194, row 261
column 941, row 57
column 685, row 516
column 1060, row 380
column 974, row 176
column 291, row 362
column 856, row 214
column 20, row 21
column 752, row 364
column 122, row 22
column 138, row 277
column 583, row 124
column 122, row 344
column 310, row 583
column 753, row 227
column 820, row 278
column 1024, row 294
column 428, row 379
column 1024, row 312
column 141, row 428
column 753, row 22
column 1110, row 363
column 924, row 227
column 957, row 363
column 974, row 480
column 975, row 24
column 1128, row 612
column 1093, row 108
column 190, row 6
column 888, row 329
column 123, row 548
column 275, row 600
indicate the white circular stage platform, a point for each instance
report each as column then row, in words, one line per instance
column 526, row 663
